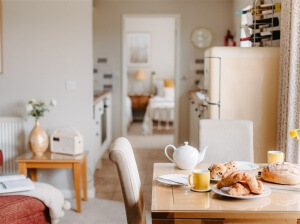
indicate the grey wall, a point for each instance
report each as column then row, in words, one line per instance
column 213, row 14
column 45, row 44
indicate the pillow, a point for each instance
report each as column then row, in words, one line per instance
column 169, row 92
column 168, row 83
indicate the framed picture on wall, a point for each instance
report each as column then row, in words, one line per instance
column 139, row 48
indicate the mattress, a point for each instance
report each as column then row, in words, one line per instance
column 159, row 109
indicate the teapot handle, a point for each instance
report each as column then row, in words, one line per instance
column 166, row 152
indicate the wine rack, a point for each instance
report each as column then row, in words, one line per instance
column 262, row 27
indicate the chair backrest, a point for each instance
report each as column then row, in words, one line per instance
column 227, row 140
column 121, row 154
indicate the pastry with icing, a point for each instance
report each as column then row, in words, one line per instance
column 281, row 173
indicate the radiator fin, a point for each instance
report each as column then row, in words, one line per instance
column 12, row 142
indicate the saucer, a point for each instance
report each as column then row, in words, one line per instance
column 196, row 190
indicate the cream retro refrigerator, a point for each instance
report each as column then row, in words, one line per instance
column 242, row 83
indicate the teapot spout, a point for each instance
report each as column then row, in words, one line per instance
column 202, row 154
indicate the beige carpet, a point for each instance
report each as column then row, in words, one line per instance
column 158, row 140
column 108, row 207
column 96, row 211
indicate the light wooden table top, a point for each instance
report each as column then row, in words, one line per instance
column 50, row 157
column 179, row 202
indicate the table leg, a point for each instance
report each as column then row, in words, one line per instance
column 33, row 173
column 84, row 179
column 23, row 169
column 76, row 176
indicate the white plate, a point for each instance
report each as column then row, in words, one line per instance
column 173, row 179
column 244, row 166
column 216, row 179
column 223, row 192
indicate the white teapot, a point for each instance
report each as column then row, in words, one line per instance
column 186, row 157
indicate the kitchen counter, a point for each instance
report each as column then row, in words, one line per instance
column 100, row 96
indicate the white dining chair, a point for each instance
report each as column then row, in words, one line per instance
column 227, row 140
column 121, row 154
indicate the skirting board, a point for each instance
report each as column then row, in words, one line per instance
column 69, row 193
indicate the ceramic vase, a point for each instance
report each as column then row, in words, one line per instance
column 38, row 140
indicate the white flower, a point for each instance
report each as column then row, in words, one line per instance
column 33, row 101
column 28, row 108
column 53, row 103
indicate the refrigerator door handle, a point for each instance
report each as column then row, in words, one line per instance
column 216, row 104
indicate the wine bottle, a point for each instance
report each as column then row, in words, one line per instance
column 258, row 37
column 262, row 9
column 264, row 23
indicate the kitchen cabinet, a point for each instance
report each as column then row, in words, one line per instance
column 197, row 111
column 103, row 124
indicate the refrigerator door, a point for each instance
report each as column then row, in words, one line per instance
column 212, row 82
column 212, row 79
column 248, row 91
column 212, row 112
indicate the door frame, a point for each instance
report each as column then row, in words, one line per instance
column 176, row 69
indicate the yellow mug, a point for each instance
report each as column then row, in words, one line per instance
column 275, row 156
column 201, row 179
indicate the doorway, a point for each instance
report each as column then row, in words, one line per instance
column 149, row 74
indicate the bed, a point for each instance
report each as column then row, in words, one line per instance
column 160, row 108
column 128, row 111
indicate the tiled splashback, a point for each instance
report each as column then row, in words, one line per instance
column 103, row 75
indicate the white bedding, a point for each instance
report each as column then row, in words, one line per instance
column 158, row 109
column 128, row 111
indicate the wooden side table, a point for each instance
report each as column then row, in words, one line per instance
column 57, row 161
column 139, row 101
column 139, row 104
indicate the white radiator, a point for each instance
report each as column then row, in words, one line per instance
column 12, row 139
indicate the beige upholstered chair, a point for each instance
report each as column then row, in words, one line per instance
column 226, row 140
column 121, row 154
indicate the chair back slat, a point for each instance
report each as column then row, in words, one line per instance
column 121, row 154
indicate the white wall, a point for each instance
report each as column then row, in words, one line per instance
column 238, row 5
column 162, row 55
column 214, row 14
column 45, row 44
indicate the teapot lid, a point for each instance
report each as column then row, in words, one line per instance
column 186, row 146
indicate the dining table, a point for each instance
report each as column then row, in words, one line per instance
column 177, row 204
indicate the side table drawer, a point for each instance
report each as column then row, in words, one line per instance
column 139, row 102
column 144, row 102
column 134, row 102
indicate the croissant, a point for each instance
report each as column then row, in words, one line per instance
column 256, row 186
column 231, row 179
column 239, row 189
